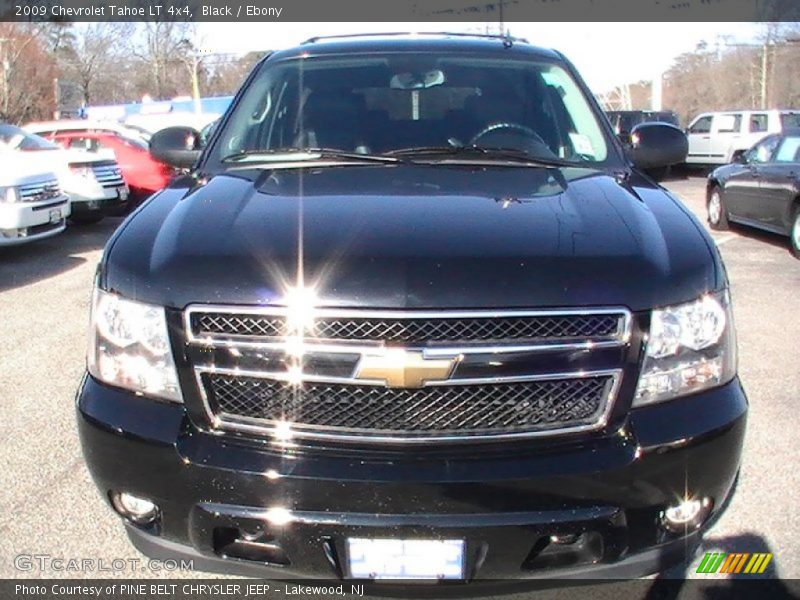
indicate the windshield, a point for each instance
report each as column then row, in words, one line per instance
column 389, row 104
column 16, row 138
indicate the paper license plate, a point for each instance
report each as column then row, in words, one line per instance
column 405, row 559
column 55, row 215
column 123, row 193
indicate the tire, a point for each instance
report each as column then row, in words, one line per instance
column 89, row 219
column 794, row 234
column 717, row 213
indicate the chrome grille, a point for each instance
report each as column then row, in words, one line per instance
column 364, row 410
column 411, row 330
column 408, row 376
column 108, row 175
column 39, row 192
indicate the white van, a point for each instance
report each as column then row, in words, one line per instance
column 716, row 138
column 32, row 205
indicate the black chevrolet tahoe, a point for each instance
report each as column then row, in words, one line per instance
column 413, row 313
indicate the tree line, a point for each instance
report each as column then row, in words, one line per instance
column 47, row 68
column 724, row 75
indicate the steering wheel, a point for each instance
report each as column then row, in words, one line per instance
column 511, row 127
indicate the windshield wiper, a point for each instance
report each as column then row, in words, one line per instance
column 477, row 153
column 278, row 155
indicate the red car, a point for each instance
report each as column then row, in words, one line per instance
column 143, row 174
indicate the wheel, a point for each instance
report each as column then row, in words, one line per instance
column 794, row 235
column 89, row 219
column 717, row 213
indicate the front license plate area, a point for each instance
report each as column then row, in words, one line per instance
column 391, row 559
column 55, row 215
column 122, row 193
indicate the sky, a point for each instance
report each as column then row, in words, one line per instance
column 606, row 54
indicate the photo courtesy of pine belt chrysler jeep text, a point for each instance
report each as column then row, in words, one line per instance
column 414, row 314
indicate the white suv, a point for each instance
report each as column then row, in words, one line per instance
column 716, row 138
column 32, row 205
column 94, row 183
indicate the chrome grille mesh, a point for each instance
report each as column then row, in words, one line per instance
column 108, row 175
column 39, row 192
column 376, row 410
column 415, row 330
column 243, row 362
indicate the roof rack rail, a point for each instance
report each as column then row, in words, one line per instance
column 505, row 38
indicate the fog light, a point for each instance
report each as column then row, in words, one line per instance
column 139, row 510
column 563, row 540
column 686, row 516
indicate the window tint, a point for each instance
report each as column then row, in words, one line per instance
column 19, row 139
column 758, row 123
column 789, row 150
column 763, row 151
column 790, row 120
column 702, row 125
column 662, row 117
column 383, row 103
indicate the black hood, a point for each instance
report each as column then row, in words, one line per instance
column 415, row 237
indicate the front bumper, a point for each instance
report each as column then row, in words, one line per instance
column 106, row 201
column 26, row 222
column 505, row 500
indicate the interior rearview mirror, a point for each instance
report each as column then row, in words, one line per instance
column 657, row 145
column 177, row 146
column 417, row 81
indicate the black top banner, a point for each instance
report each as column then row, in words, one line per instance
column 399, row 10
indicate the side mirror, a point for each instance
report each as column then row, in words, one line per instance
column 740, row 158
column 657, row 145
column 177, row 146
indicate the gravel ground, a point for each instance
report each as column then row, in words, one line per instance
column 50, row 506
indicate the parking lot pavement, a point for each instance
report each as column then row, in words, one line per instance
column 49, row 506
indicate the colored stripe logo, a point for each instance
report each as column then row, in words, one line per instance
column 738, row 562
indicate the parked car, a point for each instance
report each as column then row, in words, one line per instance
column 142, row 173
column 94, row 184
column 623, row 121
column 32, row 205
column 717, row 138
column 761, row 189
column 413, row 314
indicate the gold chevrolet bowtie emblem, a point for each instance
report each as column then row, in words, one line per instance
column 404, row 369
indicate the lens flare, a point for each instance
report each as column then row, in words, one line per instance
column 279, row 516
column 283, row 431
column 300, row 305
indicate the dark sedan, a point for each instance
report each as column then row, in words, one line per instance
column 761, row 189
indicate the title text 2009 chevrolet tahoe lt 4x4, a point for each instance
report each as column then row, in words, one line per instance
column 414, row 314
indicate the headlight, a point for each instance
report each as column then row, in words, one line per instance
column 129, row 347
column 8, row 195
column 691, row 347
